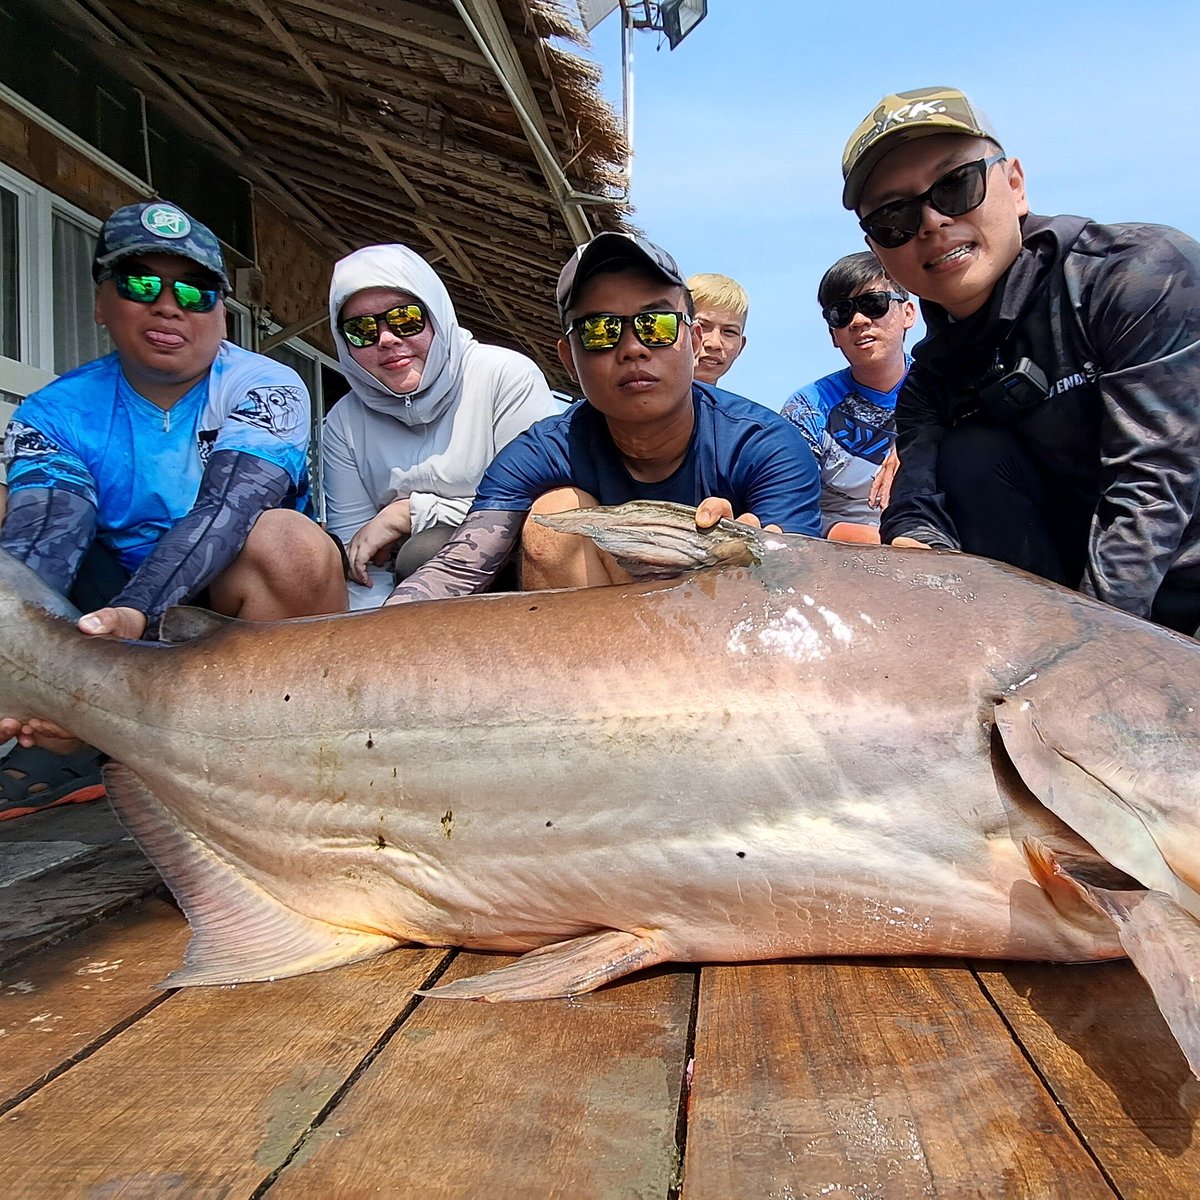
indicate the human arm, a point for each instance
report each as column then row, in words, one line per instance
column 469, row 561
column 916, row 509
column 377, row 537
column 1140, row 317
column 881, row 486
column 236, row 488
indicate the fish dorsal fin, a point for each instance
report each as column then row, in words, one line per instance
column 240, row 932
column 653, row 539
column 567, row 968
column 1060, row 779
column 184, row 623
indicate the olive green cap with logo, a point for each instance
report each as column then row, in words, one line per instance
column 904, row 117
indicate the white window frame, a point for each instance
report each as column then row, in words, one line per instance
column 36, row 209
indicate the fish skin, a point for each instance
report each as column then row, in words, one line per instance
column 796, row 758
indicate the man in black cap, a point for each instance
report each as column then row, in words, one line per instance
column 172, row 470
column 1052, row 416
column 645, row 431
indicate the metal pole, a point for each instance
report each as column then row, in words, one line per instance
column 627, row 91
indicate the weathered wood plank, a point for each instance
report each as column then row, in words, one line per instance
column 571, row 1098
column 206, row 1095
column 839, row 1079
column 55, row 1005
column 37, row 912
column 1104, row 1050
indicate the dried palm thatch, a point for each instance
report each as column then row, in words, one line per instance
column 467, row 129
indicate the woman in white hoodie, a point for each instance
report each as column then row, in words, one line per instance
column 428, row 407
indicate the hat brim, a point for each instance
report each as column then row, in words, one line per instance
column 107, row 261
column 885, row 144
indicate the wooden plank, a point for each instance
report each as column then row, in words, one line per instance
column 208, row 1094
column 1107, row 1055
column 839, row 1079
column 53, row 1007
column 551, row 1098
column 37, row 912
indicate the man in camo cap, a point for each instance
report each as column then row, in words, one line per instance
column 1051, row 418
column 171, row 470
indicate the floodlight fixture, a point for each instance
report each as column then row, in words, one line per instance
column 680, row 17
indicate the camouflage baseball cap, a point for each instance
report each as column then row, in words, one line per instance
column 158, row 227
column 901, row 118
column 605, row 250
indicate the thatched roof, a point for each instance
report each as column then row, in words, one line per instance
column 464, row 128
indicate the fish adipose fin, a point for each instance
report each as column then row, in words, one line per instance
column 240, row 932
column 1161, row 939
column 1077, row 792
column 563, row 969
column 654, row 539
column 184, row 622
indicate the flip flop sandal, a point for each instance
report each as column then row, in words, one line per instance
column 33, row 779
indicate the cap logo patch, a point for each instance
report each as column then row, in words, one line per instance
column 166, row 222
column 922, row 110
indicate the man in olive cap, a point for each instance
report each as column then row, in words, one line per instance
column 1052, row 416
column 645, row 431
column 171, row 470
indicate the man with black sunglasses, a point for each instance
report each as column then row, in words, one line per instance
column 849, row 417
column 644, row 431
column 1052, row 416
column 172, row 469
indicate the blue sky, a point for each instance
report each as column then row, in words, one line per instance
column 738, row 133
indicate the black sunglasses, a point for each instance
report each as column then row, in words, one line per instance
column 960, row 190
column 405, row 321
column 145, row 289
column 872, row 305
column 602, row 331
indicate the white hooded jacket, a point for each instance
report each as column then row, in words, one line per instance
column 432, row 445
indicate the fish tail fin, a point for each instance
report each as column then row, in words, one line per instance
column 567, row 968
column 1161, row 938
column 654, row 539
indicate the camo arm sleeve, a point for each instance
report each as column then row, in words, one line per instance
column 49, row 530
column 236, row 489
column 469, row 561
column 917, row 508
column 1142, row 318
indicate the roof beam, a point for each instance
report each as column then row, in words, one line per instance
column 283, row 36
column 487, row 26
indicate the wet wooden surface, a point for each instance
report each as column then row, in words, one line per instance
column 826, row 1079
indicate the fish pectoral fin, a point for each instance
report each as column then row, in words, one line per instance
column 1161, row 938
column 568, row 968
column 185, row 623
column 1057, row 773
column 655, row 539
column 240, row 932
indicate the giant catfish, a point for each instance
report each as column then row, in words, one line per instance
column 794, row 748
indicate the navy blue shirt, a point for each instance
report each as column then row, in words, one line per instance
column 739, row 451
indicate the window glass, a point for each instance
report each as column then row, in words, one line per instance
column 77, row 337
column 10, row 341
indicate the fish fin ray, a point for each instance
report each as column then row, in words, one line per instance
column 655, row 540
column 567, row 968
column 240, row 932
column 1088, row 805
column 1161, row 938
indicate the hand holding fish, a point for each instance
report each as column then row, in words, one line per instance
column 715, row 508
column 372, row 542
column 126, row 623
column 37, row 732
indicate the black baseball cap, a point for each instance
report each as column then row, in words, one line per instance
column 606, row 250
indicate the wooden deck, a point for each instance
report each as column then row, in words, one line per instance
column 828, row 1079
